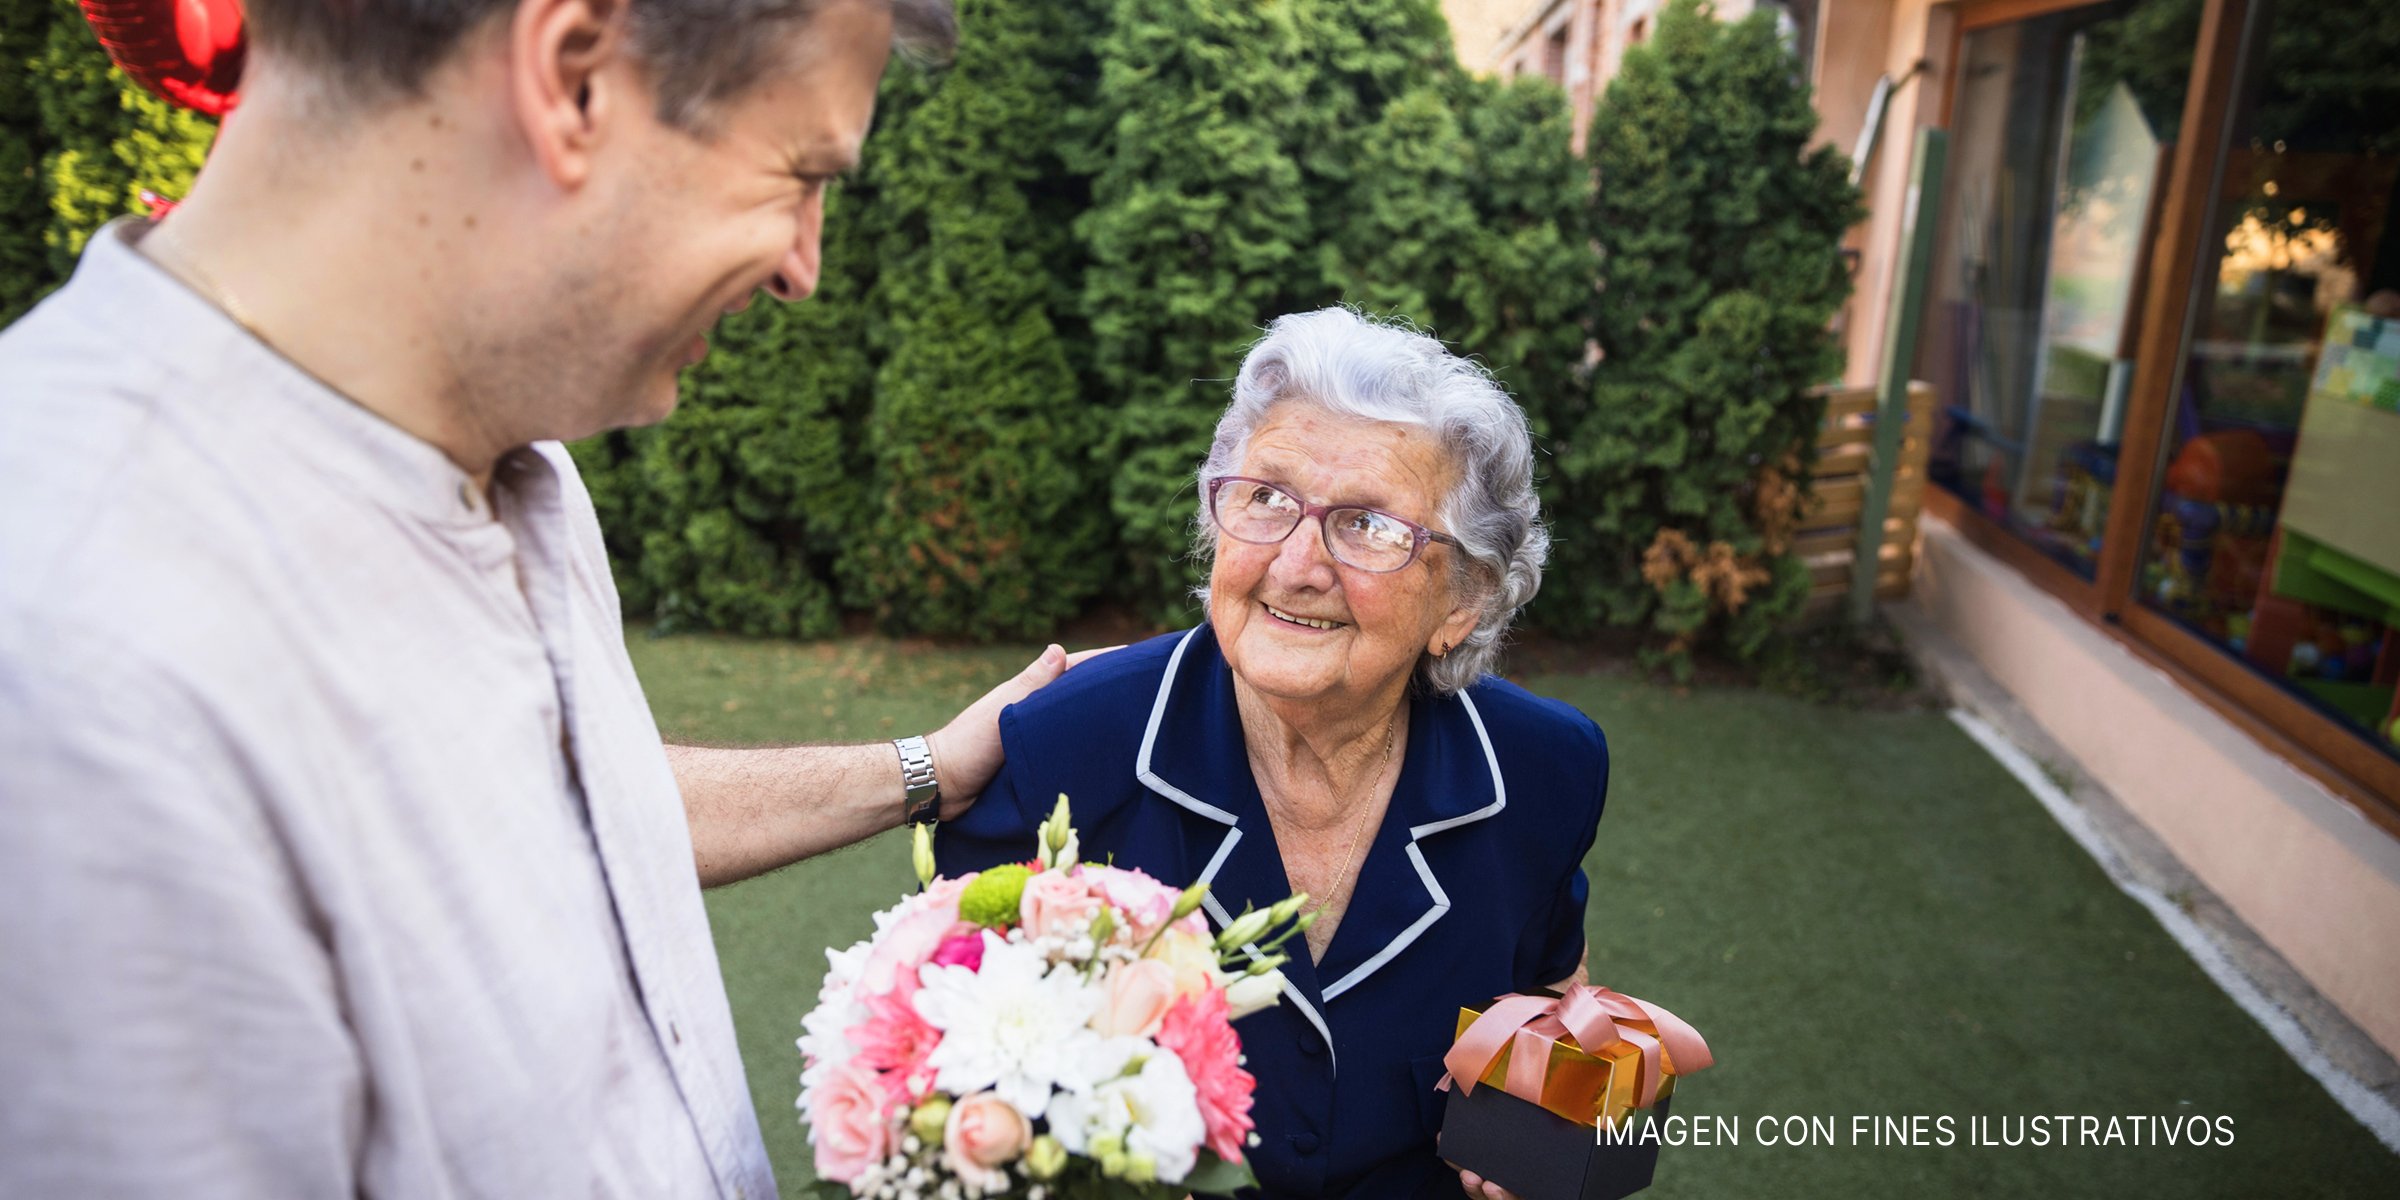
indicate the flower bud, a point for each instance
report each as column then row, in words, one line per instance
column 1286, row 909
column 1140, row 1168
column 1244, row 930
column 1189, row 902
column 1045, row 1158
column 1108, row 1144
column 1054, row 830
column 929, row 1119
column 921, row 850
column 1104, row 925
column 1247, row 993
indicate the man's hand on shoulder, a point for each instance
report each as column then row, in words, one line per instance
column 966, row 752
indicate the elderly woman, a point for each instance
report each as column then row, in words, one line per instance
column 1368, row 506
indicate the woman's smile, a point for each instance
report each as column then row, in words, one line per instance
column 1295, row 620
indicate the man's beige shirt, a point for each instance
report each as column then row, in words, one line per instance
column 338, row 851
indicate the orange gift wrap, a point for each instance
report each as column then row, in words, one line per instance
column 1588, row 1054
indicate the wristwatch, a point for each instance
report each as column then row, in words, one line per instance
column 922, row 804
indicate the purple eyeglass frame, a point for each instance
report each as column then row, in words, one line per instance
column 1416, row 549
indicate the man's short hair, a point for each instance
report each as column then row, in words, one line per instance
column 699, row 52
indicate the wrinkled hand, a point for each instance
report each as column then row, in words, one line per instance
column 966, row 752
column 1477, row 1186
column 1483, row 1189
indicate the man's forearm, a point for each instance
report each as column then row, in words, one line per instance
column 753, row 810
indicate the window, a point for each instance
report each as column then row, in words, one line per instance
column 2274, row 531
column 2061, row 128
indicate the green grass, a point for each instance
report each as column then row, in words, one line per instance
column 1863, row 913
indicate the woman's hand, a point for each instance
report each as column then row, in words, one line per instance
column 1483, row 1189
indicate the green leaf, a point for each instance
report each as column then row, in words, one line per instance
column 1213, row 1176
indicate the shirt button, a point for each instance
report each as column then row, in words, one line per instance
column 675, row 1033
column 1305, row 1143
column 466, row 494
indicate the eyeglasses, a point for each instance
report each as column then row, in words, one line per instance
column 1262, row 514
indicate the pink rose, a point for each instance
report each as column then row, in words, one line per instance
column 1056, row 902
column 964, row 950
column 849, row 1123
column 1197, row 1031
column 1142, row 903
column 943, row 893
column 1135, row 999
column 984, row 1134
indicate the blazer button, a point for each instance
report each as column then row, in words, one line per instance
column 1311, row 1048
column 1305, row 1143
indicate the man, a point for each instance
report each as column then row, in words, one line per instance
column 338, row 852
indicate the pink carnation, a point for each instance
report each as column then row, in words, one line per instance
column 1197, row 1031
column 894, row 1042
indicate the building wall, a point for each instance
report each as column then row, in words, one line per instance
column 1476, row 27
column 2303, row 869
column 1858, row 42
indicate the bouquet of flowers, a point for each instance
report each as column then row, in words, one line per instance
column 1046, row 1030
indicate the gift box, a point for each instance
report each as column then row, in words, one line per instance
column 1533, row 1078
column 1540, row 1155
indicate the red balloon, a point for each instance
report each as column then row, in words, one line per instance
column 188, row 52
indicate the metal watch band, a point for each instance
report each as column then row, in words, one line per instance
column 923, row 802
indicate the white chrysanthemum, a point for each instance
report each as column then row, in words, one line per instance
column 1015, row 1025
column 1144, row 1099
column 826, row 1045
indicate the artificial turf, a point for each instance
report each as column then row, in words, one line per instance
column 1865, row 915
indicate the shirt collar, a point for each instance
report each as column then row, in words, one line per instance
column 221, row 368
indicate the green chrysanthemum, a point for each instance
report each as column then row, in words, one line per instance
column 991, row 901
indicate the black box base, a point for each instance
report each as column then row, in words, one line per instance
column 1540, row 1155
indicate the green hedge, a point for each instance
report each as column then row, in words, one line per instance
column 24, row 205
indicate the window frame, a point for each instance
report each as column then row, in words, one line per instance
column 2334, row 754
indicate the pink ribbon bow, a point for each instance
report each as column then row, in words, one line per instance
column 1590, row 1015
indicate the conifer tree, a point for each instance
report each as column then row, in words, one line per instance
column 1525, row 296
column 1463, row 214
column 1719, row 234
column 986, row 515
column 1194, row 234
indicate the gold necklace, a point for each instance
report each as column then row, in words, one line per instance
column 184, row 265
column 1345, row 880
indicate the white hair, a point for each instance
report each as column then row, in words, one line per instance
column 1377, row 370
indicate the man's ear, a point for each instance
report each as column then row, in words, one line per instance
column 558, row 52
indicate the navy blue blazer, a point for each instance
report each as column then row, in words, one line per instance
column 1473, row 887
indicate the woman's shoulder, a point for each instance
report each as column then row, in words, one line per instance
column 1517, row 719
column 1103, row 691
